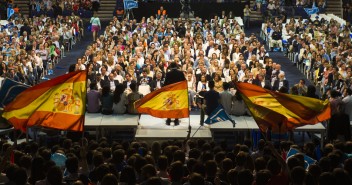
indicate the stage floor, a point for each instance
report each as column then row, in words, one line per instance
column 152, row 128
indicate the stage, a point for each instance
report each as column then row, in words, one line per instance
column 148, row 128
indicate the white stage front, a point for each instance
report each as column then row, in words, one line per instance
column 146, row 127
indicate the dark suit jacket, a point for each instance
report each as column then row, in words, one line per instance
column 107, row 83
column 173, row 76
column 258, row 83
column 125, row 83
column 153, row 84
column 25, row 29
column 276, row 85
column 246, row 54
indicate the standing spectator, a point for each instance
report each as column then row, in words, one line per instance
column 161, row 13
column 347, row 100
column 246, row 16
column 25, row 28
column 226, row 98
column 173, row 76
column 211, row 98
column 120, row 100
column 96, row 26
column 133, row 97
column 335, row 102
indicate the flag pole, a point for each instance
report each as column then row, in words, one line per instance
column 84, row 104
column 189, row 114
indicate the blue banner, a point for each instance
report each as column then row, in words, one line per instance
column 218, row 115
column 129, row 4
column 307, row 160
column 10, row 12
column 312, row 10
column 9, row 90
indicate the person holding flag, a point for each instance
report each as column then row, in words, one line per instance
column 173, row 76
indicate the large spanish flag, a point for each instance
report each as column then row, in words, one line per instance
column 58, row 103
column 272, row 109
column 170, row 101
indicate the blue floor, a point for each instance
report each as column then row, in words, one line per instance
column 77, row 51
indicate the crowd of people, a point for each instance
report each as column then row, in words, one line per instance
column 191, row 162
column 138, row 53
column 130, row 59
column 57, row 6
column 30, row 47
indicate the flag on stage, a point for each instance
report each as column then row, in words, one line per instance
column 218, row 115
column 271, row 109
column 307, row 160
column 170, row 101
column 58, row 103
column 9, row 90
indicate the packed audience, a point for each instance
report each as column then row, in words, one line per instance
column 56, row 7
column 192, row 162
column 47, row 5
column 322, row 48
column 30, row 47
column 138, row 54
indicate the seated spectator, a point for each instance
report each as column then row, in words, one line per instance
column 276, row 39
column 132, row 98
column 106, row 100
column 120, row 100
column 280, row 82
column 93, row 99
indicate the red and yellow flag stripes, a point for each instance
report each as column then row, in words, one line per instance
column 270, row 108
column 58, row 103
column 170, row 101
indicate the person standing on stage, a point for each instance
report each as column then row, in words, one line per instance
column 211, row 99
column 172, row 76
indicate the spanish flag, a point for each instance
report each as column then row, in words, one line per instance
column 170, row 101
column 272, row 109
column 58, row 103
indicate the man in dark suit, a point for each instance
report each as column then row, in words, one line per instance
column 203, row 71
column 96, row 65
column 25, row 28
column 261, row 81
column 128, row 81
column 172, row 76
column 247, row 54
column 157, row 83
column 280, row 82
column 111, row 82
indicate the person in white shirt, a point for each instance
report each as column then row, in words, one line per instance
column 241, row 73
column 214, row 50
column 80, row 65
